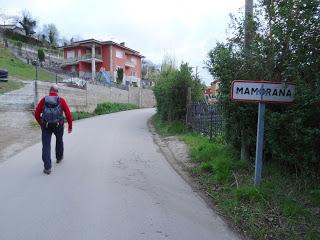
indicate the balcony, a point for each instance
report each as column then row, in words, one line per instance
column 132, row 79
column 130, row 64
column 82, row 58
column 88, row 57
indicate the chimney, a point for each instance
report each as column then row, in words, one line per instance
column 122, row 43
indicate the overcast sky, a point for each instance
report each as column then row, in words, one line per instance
column 184, row 29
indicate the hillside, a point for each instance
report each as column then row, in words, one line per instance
column 20, row 70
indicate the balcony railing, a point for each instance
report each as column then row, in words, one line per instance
column 89, row 56
column 131, row 79
column 82, row 57
column 130, row 64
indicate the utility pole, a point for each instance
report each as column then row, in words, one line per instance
column 245, row 154
column 248, row 19
column 262, row 105
column 196, row 67
column 197, row 72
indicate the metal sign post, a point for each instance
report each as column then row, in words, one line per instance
column 259, row 144
column 261, row 92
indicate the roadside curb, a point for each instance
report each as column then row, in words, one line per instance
column 183, row 166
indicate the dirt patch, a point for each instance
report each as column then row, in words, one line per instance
column 16, row 132
column 177, row 154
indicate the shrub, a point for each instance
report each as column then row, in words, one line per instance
column 81, row 115
column 41, row 55
column 171, row 92
column 103, row 108
column 119, row 75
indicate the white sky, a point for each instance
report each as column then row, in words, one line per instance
column 184, row 29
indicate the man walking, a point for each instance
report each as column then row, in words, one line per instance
column 49, row 115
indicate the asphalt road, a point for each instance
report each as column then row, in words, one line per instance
column 112, row 184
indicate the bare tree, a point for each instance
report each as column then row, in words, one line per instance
column 76, row 38
column 168, row 62
column 28, row 23
column 148, row 68
column 51, row 32
column 63, row 41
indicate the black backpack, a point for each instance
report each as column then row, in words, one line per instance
column 52, row 112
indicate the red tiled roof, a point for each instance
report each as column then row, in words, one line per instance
column 82, row 42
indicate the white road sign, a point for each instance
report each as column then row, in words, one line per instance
column 259, row 91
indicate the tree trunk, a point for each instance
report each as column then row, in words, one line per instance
column 245, row 153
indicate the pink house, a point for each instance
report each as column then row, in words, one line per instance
column 88, row 57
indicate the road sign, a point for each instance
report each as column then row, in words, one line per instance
column 261, row 91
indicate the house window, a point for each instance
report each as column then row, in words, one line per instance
column 79, row 53
column 70, row 54
column 119, row 54
column 134, row 61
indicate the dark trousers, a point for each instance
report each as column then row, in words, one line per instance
column 47, row 131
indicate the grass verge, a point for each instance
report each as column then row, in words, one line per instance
column 10, row 86
column 21, row 70
column 282, row 207
column 102, row 108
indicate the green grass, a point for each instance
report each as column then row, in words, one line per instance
column 81, row 115
column 282, row 207
column 102, row 108
column 21, row 70
column 166, row 129
column 9, row 86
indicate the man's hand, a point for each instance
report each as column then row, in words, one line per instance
column 69, row 130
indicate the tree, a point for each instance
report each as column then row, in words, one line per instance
column 28, row 23
column 168, row 62
column 285, row 41
column 63, row 41
column 171, row 92
column 119, row 75
column 150, row 71
column 75, row 38
column 41, row 56
column 51, row 32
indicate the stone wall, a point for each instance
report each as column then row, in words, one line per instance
column 87, row 99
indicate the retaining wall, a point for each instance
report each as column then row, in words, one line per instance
column 87, row 99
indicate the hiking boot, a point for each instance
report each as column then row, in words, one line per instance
column 59, row 160
column 47, row 171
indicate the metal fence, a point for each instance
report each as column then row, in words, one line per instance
column 206, row 119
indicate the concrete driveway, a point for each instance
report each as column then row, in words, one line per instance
column 21, row 99
column 16, row 116
column 112, row 184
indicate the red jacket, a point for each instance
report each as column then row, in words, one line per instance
column 64, row 107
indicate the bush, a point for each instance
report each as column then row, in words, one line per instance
column 119, row 75
column 41, row 55
column 171, row 92
column 22, row 38
column 104, row 108
column 81, row 115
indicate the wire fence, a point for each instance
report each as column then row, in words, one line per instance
column 206, row 119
